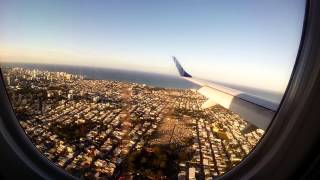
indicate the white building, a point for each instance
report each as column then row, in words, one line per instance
column 70, row 96
column 192, row 173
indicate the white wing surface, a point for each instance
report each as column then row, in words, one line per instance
column 256, row 111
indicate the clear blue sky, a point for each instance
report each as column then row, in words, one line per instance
column 252, row 43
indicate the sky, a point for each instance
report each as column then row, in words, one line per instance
column 246, row 42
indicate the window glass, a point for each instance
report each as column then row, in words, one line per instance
column 94, row 86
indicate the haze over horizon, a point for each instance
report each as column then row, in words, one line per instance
column 246, row 43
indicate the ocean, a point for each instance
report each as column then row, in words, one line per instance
column 151, row 79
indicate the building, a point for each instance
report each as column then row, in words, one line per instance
column 96, row 99
column 182, row 175
column 9, row 83
column 192, row 173
column 70, row 96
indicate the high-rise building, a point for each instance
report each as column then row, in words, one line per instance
column 9, row 81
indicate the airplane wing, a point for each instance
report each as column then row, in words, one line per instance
column 256, row 111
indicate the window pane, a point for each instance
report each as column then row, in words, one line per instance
column 94, row 87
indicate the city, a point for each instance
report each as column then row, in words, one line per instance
column 102, row 129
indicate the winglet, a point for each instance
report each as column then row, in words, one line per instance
column 182, row 72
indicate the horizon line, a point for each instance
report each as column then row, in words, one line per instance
column 139, row 71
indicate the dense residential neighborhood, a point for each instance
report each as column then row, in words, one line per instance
column 105, row 129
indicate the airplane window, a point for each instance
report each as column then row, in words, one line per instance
column 147, row 89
